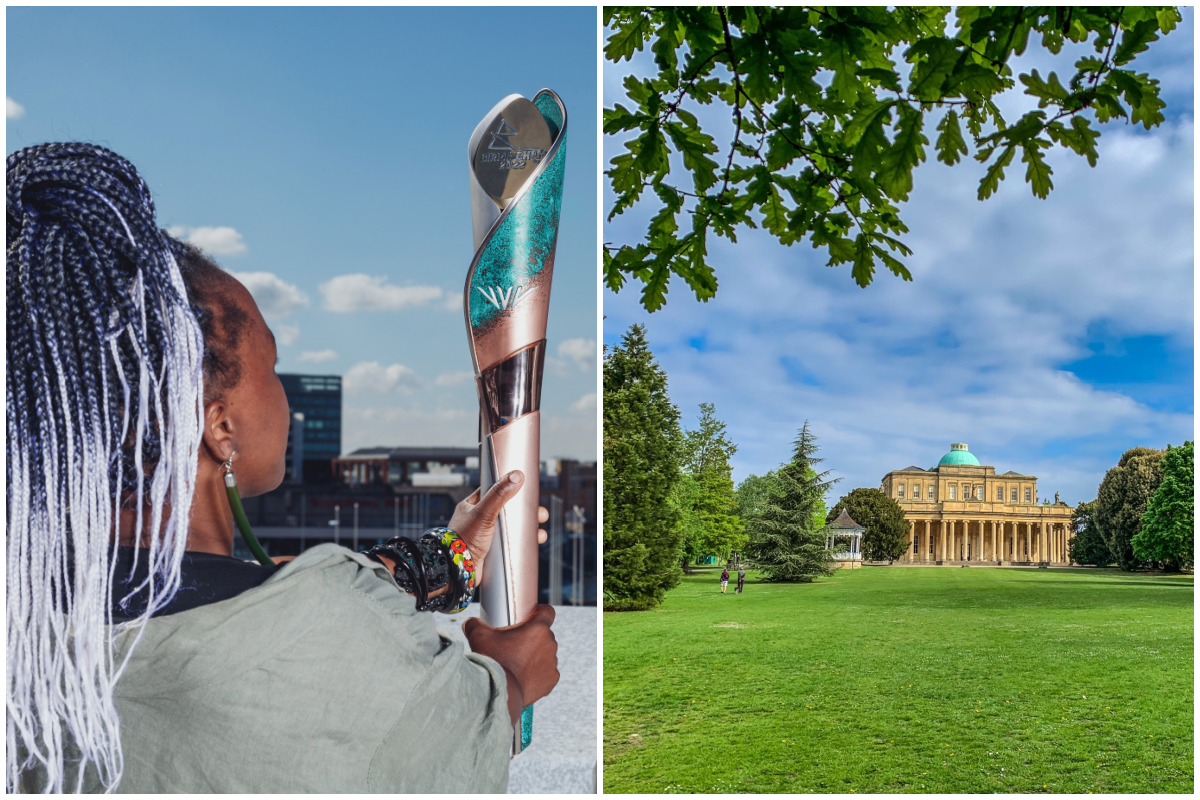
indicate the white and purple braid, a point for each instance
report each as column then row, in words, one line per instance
column 105, row 405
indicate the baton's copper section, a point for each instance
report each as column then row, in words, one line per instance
column 526, row 322
column 510, row 572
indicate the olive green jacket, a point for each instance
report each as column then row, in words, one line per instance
column 323, row 679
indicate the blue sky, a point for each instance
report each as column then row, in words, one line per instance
column 1050, row 335
column 320, row 154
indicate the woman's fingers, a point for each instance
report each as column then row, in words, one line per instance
column 500, row 493
column 541, row 536
column 543, row 514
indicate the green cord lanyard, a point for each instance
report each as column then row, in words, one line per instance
column 239, row 516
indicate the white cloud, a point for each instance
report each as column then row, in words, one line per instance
column 286, row 334
column 453, row 378
column 569, row 437
column 275, row 297
column 585, row 403
column 454, row 302
column 562, row 437
column 375, row 427
column 13, row 109
column 359, row 292
column 1006, row 293
column 216, row 241
column 581, row 351
column 370, row 377
column 317, row 356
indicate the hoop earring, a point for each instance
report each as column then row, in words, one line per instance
column 239, row 514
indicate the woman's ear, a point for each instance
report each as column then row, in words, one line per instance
column 219, row 434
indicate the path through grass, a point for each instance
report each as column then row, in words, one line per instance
column 905, row 679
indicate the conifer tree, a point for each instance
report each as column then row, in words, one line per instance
column 786, row 541
column 642, row 535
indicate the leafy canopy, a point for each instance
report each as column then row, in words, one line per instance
column 885, row 530
column 827, row 125
column 1087, row 546
column 1121, row 500
column 705, row 496
column 1168, row 526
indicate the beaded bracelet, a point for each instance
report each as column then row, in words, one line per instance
column 439, row 559
column 459, row 563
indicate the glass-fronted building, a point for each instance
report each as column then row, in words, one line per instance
column 315, row 437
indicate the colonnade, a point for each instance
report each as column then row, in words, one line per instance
column 987, row 540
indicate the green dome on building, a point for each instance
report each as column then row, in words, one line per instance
column 959, row 455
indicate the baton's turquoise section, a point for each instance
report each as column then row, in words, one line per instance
column 526, row 726
column 550, row 110
column 521, row 245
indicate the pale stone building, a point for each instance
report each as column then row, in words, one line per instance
column 963, row 512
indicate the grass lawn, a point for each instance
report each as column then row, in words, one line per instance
column 905, row 680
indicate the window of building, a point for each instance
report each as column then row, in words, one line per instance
column 978, row 492
column 931, row 491
column 916, row 491
column 1014, row 495
column 1029, row 495
column 1000, row 493
column 900, row 491
column 953, row 490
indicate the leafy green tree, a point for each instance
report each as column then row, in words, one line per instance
column 718, row 529
column 708, row 448
column 1121, row 501
column 1168, row 526
column 708, row 517
column 752, row 494
column 1087, row 545
column 885, row 530
column 643, row 540
column 827, row 127
column 786, row 541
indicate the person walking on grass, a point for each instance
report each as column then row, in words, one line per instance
column 741, row 578
column 724, row 580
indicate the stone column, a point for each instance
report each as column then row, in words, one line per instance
column 1028, row 554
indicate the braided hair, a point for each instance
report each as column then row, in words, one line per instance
column 105, row 410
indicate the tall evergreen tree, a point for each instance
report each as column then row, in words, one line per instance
column 642, row 535
column 715, row 527
column 786, row 541
column 1168, row 526
column 885, row 530
column 1087, row 545
column 1122, row 498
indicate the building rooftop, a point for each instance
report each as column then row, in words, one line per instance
column 415, row 453
column 843, row 522
column 959, row 455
